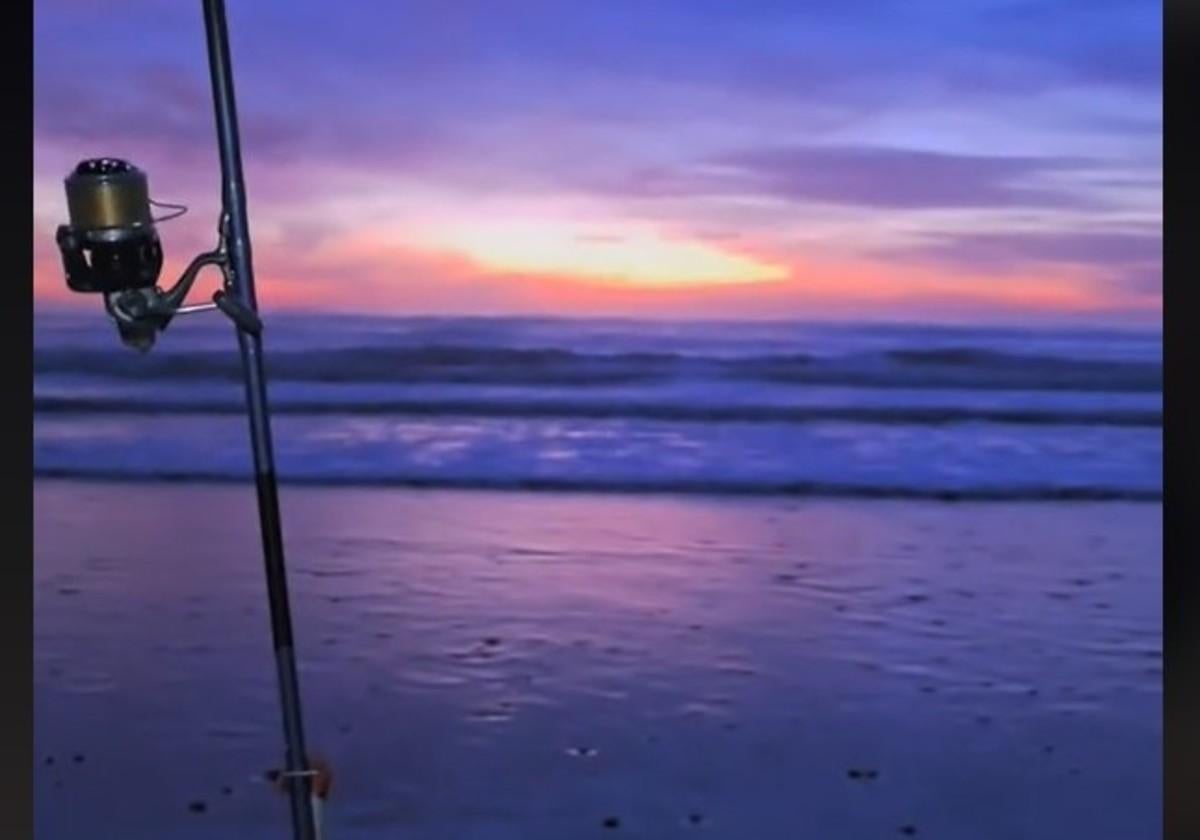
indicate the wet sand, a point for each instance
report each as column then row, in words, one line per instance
column 510, row 665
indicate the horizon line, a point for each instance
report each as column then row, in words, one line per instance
column 1079, row 323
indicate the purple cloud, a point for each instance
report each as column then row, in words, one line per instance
column 1141, row 279
column 1074, row 247
column 163, row 108
column 1128, row 260
column 866, row 176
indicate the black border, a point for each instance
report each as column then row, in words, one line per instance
column 16, row 468
column 1181, row 441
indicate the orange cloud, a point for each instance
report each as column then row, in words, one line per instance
column 622, row 254
column 371, row 271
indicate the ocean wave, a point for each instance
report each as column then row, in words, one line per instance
column 750, row 409
column 973, row 368
column 610, row 409
column 710, row 487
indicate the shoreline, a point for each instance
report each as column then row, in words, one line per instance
column 724, row 490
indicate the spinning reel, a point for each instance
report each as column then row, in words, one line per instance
column 111, row 248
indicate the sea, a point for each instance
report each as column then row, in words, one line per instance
column 751, row 408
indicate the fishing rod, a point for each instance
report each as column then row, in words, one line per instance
column 111, row 248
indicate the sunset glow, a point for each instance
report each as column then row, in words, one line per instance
column 633, row 258
column 758, row 161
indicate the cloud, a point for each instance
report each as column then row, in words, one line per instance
column 1096, row 249
column 1121, row 265
column 866, row 176
column 162, row 109
column 1146, row 279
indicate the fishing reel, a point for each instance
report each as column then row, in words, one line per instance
column 111, row 247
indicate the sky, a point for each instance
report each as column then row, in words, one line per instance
column 955, row 160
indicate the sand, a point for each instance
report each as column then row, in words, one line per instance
column 509, row 665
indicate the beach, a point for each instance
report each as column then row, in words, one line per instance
column 481, row 664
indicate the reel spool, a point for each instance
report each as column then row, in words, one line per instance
column 111, row 244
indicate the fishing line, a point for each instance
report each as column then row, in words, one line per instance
column 179, row 208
